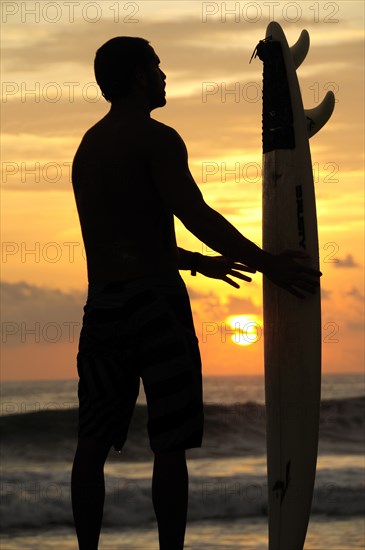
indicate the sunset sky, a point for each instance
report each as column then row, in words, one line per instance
column 49, row 100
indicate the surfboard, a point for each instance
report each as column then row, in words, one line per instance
column 292, row 327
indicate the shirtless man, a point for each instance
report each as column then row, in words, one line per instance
column 130, row 177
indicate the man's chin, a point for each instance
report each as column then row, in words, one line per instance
column 160, row 102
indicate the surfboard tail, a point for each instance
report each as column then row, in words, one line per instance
column 298, row 51
column 277, row 113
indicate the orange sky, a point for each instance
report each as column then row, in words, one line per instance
column 49, row 100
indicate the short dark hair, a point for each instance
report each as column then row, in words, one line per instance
column 115, row 62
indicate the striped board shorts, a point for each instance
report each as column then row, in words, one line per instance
column 142, row 328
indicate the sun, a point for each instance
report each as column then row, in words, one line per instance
column 247, row 327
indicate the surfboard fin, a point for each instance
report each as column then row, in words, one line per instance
column 300, row 49
column 318, row 116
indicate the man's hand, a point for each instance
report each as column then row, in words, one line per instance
column 218, row 267
column 292, row 276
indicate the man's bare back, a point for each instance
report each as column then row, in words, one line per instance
column 127, row 230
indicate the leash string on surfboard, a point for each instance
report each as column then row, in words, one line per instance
column 258, row 47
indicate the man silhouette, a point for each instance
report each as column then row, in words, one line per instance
column 130, row 177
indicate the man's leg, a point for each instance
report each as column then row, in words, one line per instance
column 88, row 490
column 170, row 498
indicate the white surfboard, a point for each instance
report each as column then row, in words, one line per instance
column 292, row 327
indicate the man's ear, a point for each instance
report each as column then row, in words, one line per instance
column 140, row 77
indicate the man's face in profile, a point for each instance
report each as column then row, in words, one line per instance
column 156, row 84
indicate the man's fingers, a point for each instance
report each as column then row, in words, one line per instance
column 240, row 276
column 298, row 294
column 230, row 282
column 312, row 271
column 246, row 268
column 237, row 265
column 299, row 254
column 306, row 286
column 307, row 279
column 243, row 267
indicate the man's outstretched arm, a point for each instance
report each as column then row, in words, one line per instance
column 182, row 197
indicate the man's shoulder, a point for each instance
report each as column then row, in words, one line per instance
column 160, row 128
column 162, row 134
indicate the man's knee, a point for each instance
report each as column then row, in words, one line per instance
column 94, row 446
column 170, row 456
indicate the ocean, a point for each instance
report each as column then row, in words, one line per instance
column 227, row 476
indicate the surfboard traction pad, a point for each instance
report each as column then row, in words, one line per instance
column 277, row 117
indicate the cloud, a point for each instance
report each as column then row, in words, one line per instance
column 355, row 293
column 210, row 307
column 33, row 313
column 196, row 295
column 206, row 306
column 354, row 300
column 326, row 294
column 192, row 53
column 346, row 262
column 238, row 306
column 180, row 35
column 353, row 325
column 37, row 314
